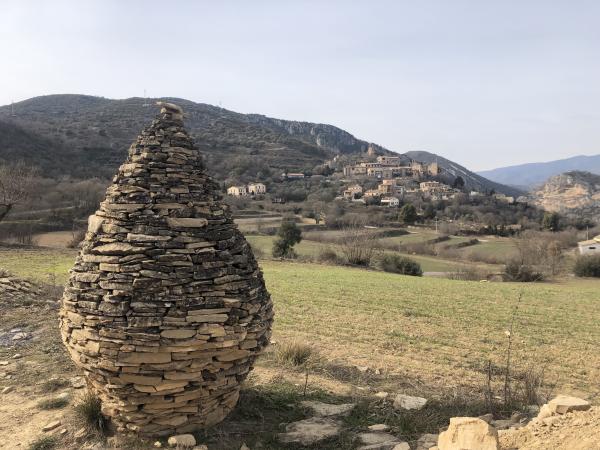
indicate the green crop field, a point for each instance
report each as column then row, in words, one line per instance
column 435, row 331
column 311, row 249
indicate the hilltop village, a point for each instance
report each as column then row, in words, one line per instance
column 382, row 180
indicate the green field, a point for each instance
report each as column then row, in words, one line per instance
column 39, row 264
column 310, row 249
column 432, row 330
column 440, row 328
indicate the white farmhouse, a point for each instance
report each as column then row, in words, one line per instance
column 391, row 202
column 237, row 191
column 591, row 247
column 257, row 189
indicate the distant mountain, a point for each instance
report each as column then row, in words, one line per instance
column 534, row 174
column 472, row 180
column 97, row 131
column 83, row 136
column 573, row 193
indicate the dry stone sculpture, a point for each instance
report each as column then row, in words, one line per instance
column 166, row 308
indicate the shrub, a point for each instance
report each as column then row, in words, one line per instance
column 516, row 271
column 295, row 354
column 289, row 234
column 588, row 266
column 258, row 253
column 78, row 236
column 551, row 221
column 408, row 214
column 89, row 410
column 327, row 255
column 54, row 384
column 400, row 264
column 359, row 245
column 468, row 273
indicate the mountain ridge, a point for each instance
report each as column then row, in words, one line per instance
column 94, row 133
column 530, row 175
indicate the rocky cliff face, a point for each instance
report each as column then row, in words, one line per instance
column 572, row 193
column 326, row 136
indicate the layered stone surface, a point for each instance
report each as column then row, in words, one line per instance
column 166, row 308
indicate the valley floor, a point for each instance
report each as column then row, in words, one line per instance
column 370, row 331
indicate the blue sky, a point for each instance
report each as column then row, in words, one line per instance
column 485, row 83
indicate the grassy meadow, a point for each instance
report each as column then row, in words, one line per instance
column 437, row 332
column 363, row 331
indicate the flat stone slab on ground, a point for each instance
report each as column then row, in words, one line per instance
column 402, row 401
column 379, row 427
column 564, row 404
column 326, row 409
column 310, row 431
column 182, row 441
column 381, row 441
column 427, row 441
column 51, row 425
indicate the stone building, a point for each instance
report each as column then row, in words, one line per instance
column 166, row 308
column 237, row 191
column 589, row 247
column 256, row 189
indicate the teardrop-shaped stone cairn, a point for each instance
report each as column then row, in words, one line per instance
column 166, row 308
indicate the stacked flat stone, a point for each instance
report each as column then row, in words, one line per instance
column 166, row 308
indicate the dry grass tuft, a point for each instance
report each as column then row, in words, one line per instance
column 89, row 411
column 295, row 354
column 53, row 403
column 44, row 443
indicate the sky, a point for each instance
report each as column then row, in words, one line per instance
column 486, row 83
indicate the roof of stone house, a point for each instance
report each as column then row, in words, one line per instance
column 595, row 240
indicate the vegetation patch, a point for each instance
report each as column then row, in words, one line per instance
column 53, row 403
column 44, row 443
column 587, row 266
column 89, row 411
column 400, row 264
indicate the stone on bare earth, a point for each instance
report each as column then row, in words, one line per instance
column 564, row 404
column 469, row 433
column 427, row 441
column 321, row 409
column 382, row 395
column 409, row 402
column 51, row 425
column 501, row 424
column 402, row 446
column 7, row 390
column 182, row 441
column 310, row 431
column 77, row 382
column 379, row 427
column 379, row 441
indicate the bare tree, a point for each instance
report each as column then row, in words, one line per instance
column 359, row 244
column 16, row 185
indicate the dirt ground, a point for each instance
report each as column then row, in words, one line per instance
column 579, row 430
